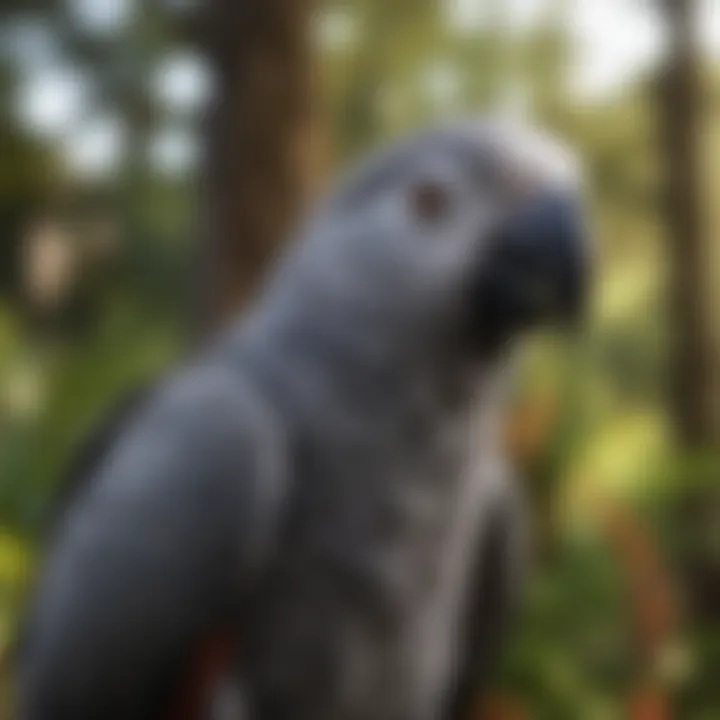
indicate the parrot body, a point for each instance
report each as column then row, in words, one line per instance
column 321, row 500
column 360, row 614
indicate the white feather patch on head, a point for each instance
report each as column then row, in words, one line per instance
column 538, row 156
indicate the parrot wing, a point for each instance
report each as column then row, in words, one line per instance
column 154, row 555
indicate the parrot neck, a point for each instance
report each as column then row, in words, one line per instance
column 333, row 359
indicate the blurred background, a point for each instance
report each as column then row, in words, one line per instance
column 153, row 156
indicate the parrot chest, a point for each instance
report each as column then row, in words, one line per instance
column 361, row 614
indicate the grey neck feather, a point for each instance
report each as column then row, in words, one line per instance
column 324, row 355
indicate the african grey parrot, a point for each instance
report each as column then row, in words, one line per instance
column 323, row 491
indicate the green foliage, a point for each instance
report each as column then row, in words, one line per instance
column 572, row 653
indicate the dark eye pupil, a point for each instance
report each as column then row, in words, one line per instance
column 430, row 201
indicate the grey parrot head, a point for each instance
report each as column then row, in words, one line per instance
column 475, row 230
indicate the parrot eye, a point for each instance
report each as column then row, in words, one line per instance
column 430, row 201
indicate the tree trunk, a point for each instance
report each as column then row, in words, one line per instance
column 681, row 116
column 695, row 366
column 260, row 144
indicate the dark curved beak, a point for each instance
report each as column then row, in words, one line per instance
column 537, row 270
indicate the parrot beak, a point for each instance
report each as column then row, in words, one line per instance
column 537, row 270
column 555, row 228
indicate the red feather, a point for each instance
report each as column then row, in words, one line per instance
column 213, row 662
